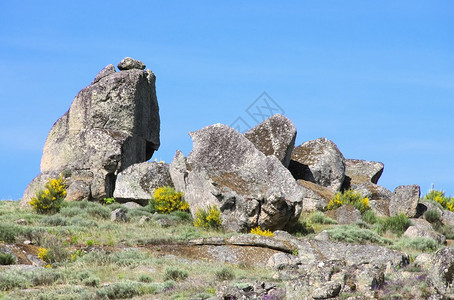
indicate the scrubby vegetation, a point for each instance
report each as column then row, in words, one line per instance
column 208, row 218
column 259, row 231
column 349, row 197
column 166, row 200
column 50, row 199
column 440, row 197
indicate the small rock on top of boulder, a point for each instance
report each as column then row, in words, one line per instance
column 129, row 63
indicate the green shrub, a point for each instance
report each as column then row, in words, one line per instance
column 353, row 234
column 49, row 201
column 7, row 259
column 369, row 217
column 8, row 233
column 54, row 220
column 349, row 197
column 432, row 216
column 175, row 274
column 108, row 201
column 225, row 274
column 440, row 197
column 124, row 289
column 210, row 218
column 145, row 278
column 422, row 244
column 318, row 217
column 396, row 224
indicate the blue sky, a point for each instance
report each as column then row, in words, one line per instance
column 375, row 77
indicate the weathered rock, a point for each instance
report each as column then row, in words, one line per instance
column 379, row 197
column 250, row 189
column 280, row 261
column 422, row 228
column 109, row 69
column 441, row 271
column 129, row 63
column 274, row 136
column 138, row 182
column 131, row 205
column 319, row 161
column 405, row 200
column 346, row 214
column 316, row 197
column 111, row 124
column 118, row 215
column 363, row 171
column 144, row 219
column 447, row 218
column 328, row 290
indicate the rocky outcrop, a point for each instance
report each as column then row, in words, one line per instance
column 225, row 169
column 361, row 171
column 346, row 214
column 405, row 201
column 138, row 182
column 422, row 228
column 319, row 161
column 274, row 136
column 111, row 124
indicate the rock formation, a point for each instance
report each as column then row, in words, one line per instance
column 111, row 124
column 225, row 169
column 274, row 136
column 319, row 161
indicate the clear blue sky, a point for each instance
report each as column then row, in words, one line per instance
column 375, row 77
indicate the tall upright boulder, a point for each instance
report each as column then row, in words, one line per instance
column 274, row 136
column 111, row 124
column 225, row 169
column 319, row 161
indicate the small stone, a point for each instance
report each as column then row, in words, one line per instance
column 144, row 219
column 327, row 290
column 118, row 215
column 131, row 205
column 129, row 63
column 22, row 222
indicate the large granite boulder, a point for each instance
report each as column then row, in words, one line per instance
column 111, row 124
column 405, row 200
column 362, row 171
column 320, row 162
column 138, row 182
column 274, row 136
column 225, row 169
column 422, row 228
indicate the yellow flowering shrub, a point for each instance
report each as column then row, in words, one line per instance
column 258, row 231
column 50, row 200
column 166, row 200
column 440, row 197
column 46, row 255
column 349, row 197
column 210, row 218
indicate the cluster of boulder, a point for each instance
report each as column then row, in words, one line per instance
column 103, row 144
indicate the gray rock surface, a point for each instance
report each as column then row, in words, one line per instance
column 363, row 171
column 138, row 182
column 111, row 124
column 327, row 290
column 379, row 197
column 316, row 197
column 346, row 214
column 405, row 200
column 441, row 271
column 319, row 161
column 118, row 215
column 274, row 136
column 129, row 63
column 447, row 218
column 422, row 228
column 225, row 169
